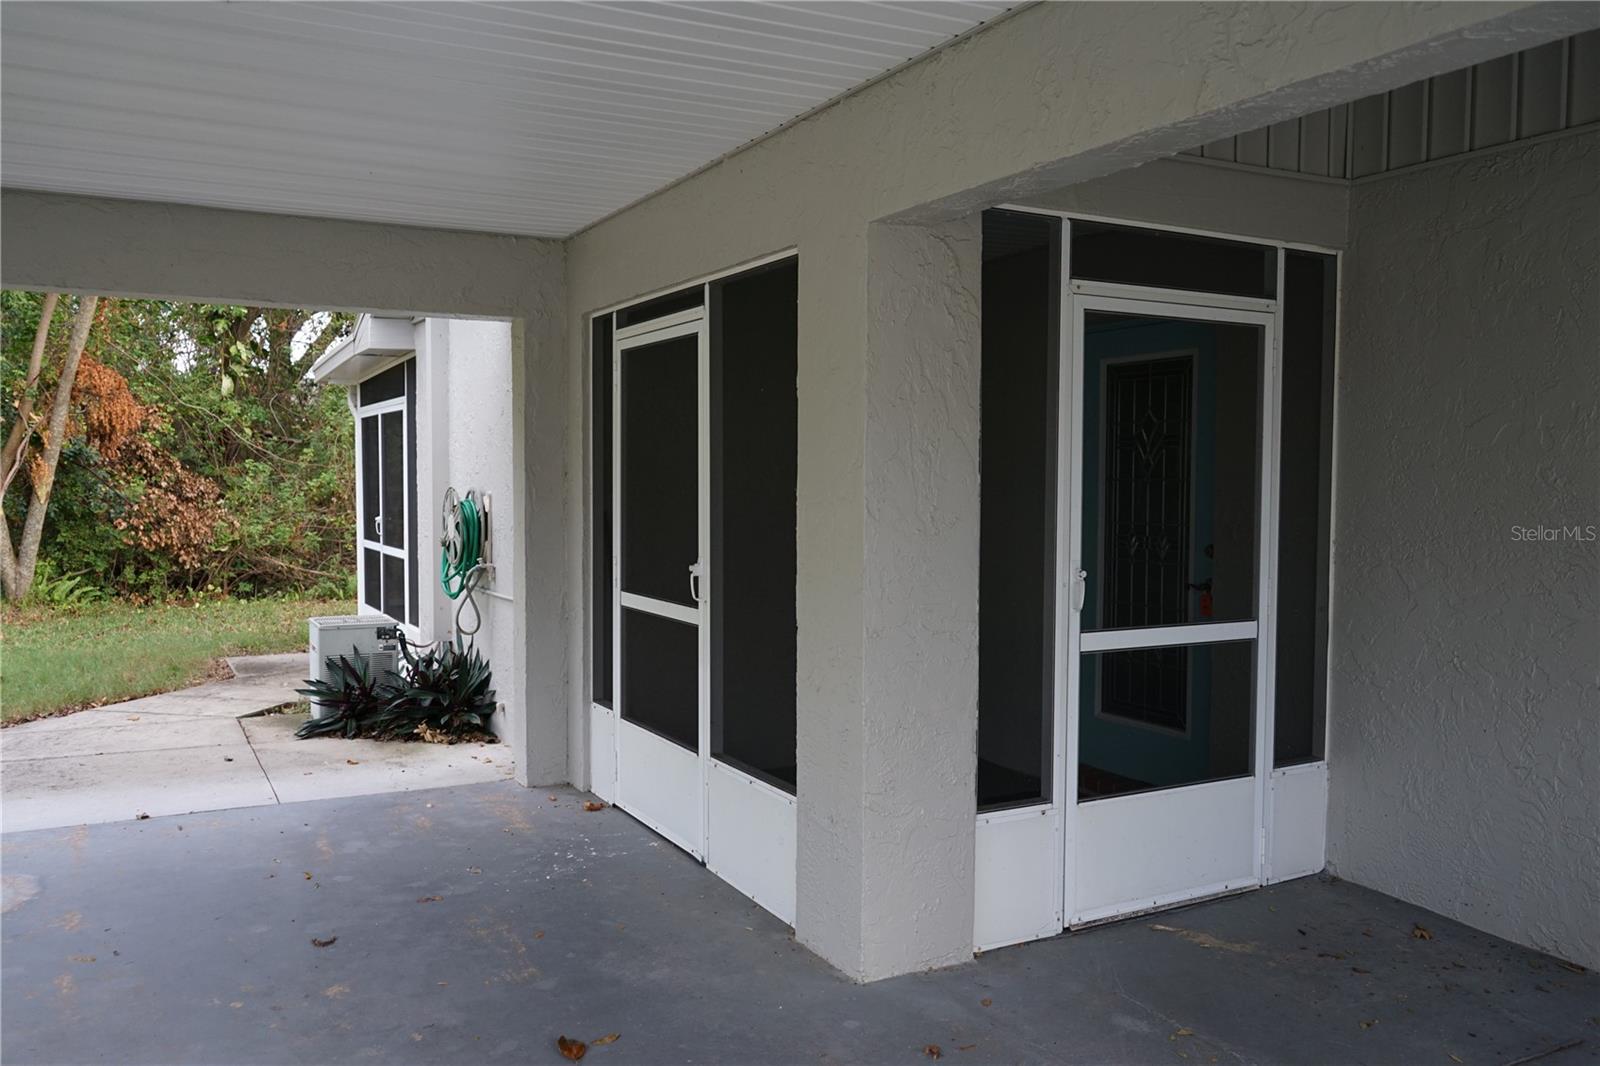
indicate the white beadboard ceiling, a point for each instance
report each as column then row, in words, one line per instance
column 527, row 118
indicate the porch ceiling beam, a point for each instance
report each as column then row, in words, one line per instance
column 174, row 251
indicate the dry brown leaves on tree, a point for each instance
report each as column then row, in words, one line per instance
column 111, row 414
column 175, row 512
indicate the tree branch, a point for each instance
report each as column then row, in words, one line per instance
column 11, row 459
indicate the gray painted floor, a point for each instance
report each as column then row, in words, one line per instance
column 205, row 748
column 478, row 923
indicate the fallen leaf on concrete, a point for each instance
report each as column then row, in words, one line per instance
column 1181, row 1032
column 335, row 991
column 133, row 718
column 1369, row 1025
column 571, row 1049
column 1456, row 1058
column 319, row 943
column 1574, row 967
column 1330, row 955
column 1357, row 969
column 1420, row 933
column 236, row 1004
column 539, row 935
column 985, row 1002
column 353, row 762
column 141, row 816
column 552, row 799
column 602, row 1041
column 593, row 805
column 933, row 1051
column 966, row 1047
column 429, row 899
column 82, row 958
column 474, row 870
column 308, row 875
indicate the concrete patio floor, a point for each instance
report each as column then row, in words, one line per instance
column 208, row 748
column 479, row 923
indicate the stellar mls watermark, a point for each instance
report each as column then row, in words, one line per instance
column 1542, row 534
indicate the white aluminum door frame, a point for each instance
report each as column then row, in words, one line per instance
column 686, row 324
column 378, row 410
column 1080, row 299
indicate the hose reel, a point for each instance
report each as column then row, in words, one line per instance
column 464, row 560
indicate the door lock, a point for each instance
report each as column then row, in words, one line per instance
column 697, row 570
column 1080, row 585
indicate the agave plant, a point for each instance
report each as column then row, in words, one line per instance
column 355, row 700
column 446, row 689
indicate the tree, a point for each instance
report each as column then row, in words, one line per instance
column 17, row 565
column 198, row 454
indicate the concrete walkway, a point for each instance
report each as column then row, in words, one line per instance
column 209, row 748
column 477, row 924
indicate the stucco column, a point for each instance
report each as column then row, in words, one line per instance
column 888, row 707
column 541, row 496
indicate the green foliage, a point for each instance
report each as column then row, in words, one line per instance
column 355, row 702
column 232, row 412
column 63, row 591
column 444, row 690
column 448, row 687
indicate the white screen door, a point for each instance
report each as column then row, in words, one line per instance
column 1167, row 581
column 660, row 617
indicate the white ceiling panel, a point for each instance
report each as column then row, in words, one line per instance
column 531, row 118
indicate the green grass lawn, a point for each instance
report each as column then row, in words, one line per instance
column 56, row 659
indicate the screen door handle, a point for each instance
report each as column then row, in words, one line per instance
column 696, row 570
column 1080, row 584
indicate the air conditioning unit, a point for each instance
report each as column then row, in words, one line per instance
column 357, row 638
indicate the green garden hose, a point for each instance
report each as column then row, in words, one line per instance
column 461, row 564
column 462, row 544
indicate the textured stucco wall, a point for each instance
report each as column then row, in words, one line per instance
column 919, row 711
column 477, row 375
column 1058, row 93
column 546, row 630
column 1465, row 703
